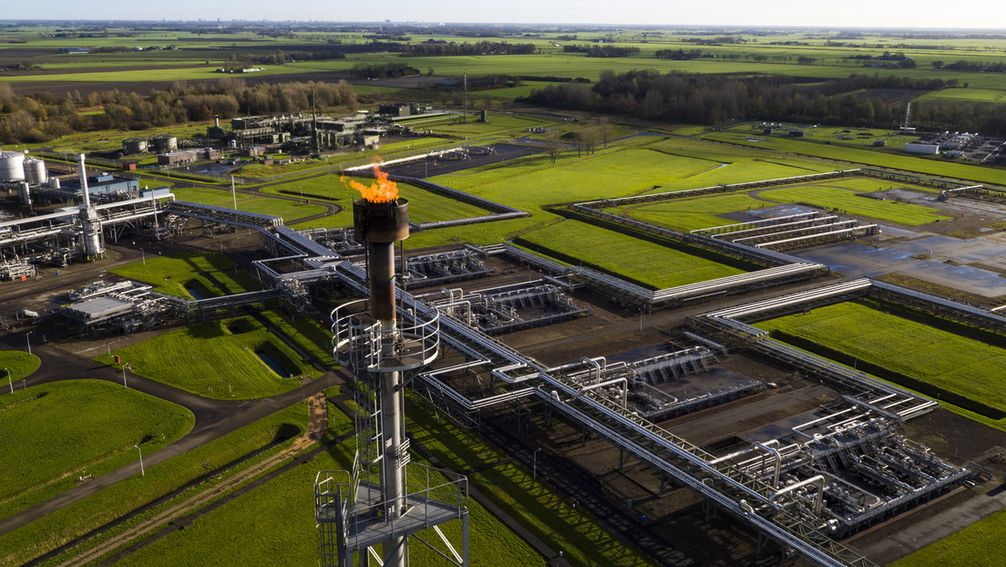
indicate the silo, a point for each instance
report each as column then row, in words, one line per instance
column 35, row 172
column 11, row 167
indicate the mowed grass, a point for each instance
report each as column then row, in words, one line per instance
column 844, row 197
column 219, row 359
column 424, row 206
column 17, row 365
column 276, row 520
column 54, row 433
column 979, row 545
column 967, row 94
column 61, row 526
column 959, row 364
column 263, row 204
column 649, row 263
column 693, row 213
column 188, row 275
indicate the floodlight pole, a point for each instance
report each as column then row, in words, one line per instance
column 140, row 453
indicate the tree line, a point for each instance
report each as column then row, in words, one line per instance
column 43, row 116
column 601, row 50
column 434, row 47
column 712, row 99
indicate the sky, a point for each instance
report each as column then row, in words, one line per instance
column 983, row 14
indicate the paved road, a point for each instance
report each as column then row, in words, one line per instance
column 214, row 418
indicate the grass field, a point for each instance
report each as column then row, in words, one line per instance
column 424, row 206
column 192, row 276
column 979, row 545
column 63, row 525
column 289, row 210
column 54, row 433
column 966, row 366
column 694, row 213
column 275, row 520
column 17, row 365
column 893, row 160
column 644, row 261
column 843, row 196
column 219, row 359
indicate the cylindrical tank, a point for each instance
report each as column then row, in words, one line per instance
column 35, row 172
column 54, row 183
column 11, row 167
column 134, row 146
column 165, row 143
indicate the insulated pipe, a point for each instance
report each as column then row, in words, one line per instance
column 819, row 501
column 774, row 452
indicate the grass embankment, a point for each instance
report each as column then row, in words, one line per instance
column 74, row 520
column 219, row 359
column 55, row 433
column 646, row 262
column 276, row 520
column 18, row 364
column 192, row 276
column 844, row 197
column 968, row 367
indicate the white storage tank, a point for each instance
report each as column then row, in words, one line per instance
column 11, row 167
column 35, row 172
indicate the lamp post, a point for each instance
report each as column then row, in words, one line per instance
column 28, row 340
column 140, row 453
column 534, row 464
column 10, row 381
column 124, row 368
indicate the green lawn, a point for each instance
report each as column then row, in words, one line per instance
column 842, row 196
column 979, row 545
column 641, row 260
column 19, row 364
column 958, row 364
column 67, row 523
column 219, row 359
column 288, row 209
column 54, row 433
column 190, row 275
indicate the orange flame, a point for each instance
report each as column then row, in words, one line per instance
column 381, row 190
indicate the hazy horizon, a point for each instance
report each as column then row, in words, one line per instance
column 866, row 14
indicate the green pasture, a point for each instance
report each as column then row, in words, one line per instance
column 219, row 359
column 847, row 196
column 58, row 432
column 979, row 545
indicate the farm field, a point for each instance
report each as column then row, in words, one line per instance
column 192, row 276
column 288, row 209
column 61, row 526
column 648, row 263
column 968, row 94
column 56, row 432
column 969, row 367
column 17, row 365
column 236, row 358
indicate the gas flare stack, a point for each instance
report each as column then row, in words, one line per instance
column 385, row 500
